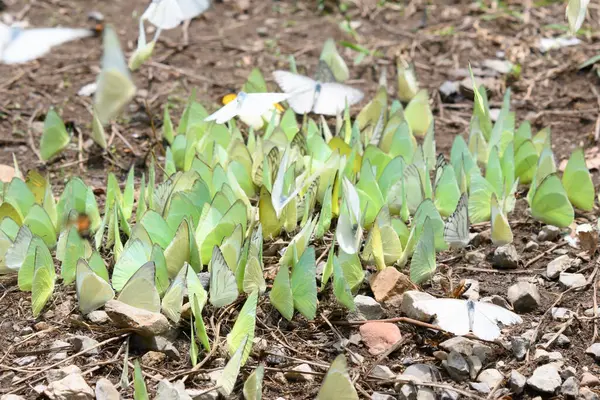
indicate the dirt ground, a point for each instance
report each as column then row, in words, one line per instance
column 224, row 45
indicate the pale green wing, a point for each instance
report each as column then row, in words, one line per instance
column 281, row 294
column 226, row 381
column 41, row 225
column 54, row 136
column 304, row 285
column 341, row 290
column 134, row 255
column 173, row 298
column 16, row 254
column 140, row 290
column 253, row 385
column 243, row 329
column 550, row 203
column 501, row 232
column 43, row 282
column 422, row 264
column 337, row 384
column 195, row 288
column 178, row 251
column 223, row 286
column 578, row 182
column 92, row 290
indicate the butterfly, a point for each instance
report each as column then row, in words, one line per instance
column 456, row 229
column 247, row 104
column 256, row 121
column 307, row 94
column 463, row 316
column 168, row 14
column 20, row 45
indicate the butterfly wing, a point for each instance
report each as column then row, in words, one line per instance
column 29, row 44
column 192, row 8
column 164, row 14
column 456, row 229
column 140, row 290
column 92, row 291
column 301, row 89
column 450, row 314
column 224, row 113
column 333, row 98
column 260, row 103
column 497, row 313
column 223, row 286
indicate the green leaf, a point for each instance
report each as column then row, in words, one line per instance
column 226, row 381
column 139, row 386
column 253, row 385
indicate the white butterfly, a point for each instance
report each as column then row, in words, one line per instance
column 247, row 104
column 463, row 316
column 349, row 229
column 456, row 229
column 306, row 94
column 167, row 14
column 19, row 45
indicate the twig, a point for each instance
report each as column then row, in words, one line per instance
column 19, row 381
column 499, row 271
column 386, row 353
column 125, row 141
column 215, row 346
column 557, row 334
column 544, row 253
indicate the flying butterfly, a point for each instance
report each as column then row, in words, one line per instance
column 309, row 95
column 168, row 14
column 247, row 104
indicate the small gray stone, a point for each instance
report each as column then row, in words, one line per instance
column 382, row 372
column 98, row 317
column 594, row 351
column 560, row 341
column 171, row 391
column 519, row 345
column 531, row 246
column 571, row 281
column 549, row 233
column 590, row 312
column 367, row 308
column 481, row 387
column 475, row 366
column 505, row 257
column 153, row 358
column 276, row 356
column 200, row 394
column 40, row 389
column 407, row 391
column 570, row 388
column 105, row 390
column 558, row 265
column 440, row 355
column 474, row 257
column 545, row 379
column 480, row 238
column 459, row 344
column 382, row 396
column 422, row 372
column 568, row 372
column 71, row 387
column 447, row 394
column 299, row 374
column 448, row 90
column 497, row 300
column 57, row 374
column 491, row 376
column 524, row 296
column 516, row 382
column 409, row 298
column 561, row 313
column 23, row 361
column 27, row 330
column 587, row 394
column 155, row 343
column 81, row 343
column 425, row 394
column 456, row 366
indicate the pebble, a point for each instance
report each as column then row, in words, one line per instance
column 587, row 394
column 23, row 361
column 389, row 285
column 299, row 374
column 57, row 374
column 568, row 372
column 422, row 372
column 171, row 391
column 467, row 347
column 155, row 343
column 475, row 365
column 81, row 343
column 558, row 265
column 474, row 257
column 519, row 346
column 481, row 238
column 589, row 380
column 440, row 355
column 409, row 298
column 516, row 382
column 98, row 317
column 381, row 396
column 153, row 358
column 456, row 366
column 505, row 257
column 571, row 281
column 570, row 388
column 594, row 351
column 545, row 379
column 366, row 308
column 105, row 390
column 531, row 246
column 548, row 233
column 473, row 292
column 561, row 313
column 145, row 322
column 491, row 376
column 204, row 279
column 379, row 336
column 481, row 387
column 425, row 394
column 524, row 296
column 382, row 372
column 12, row 397
column 561, row 340
column 72, row 386
column 590, row 312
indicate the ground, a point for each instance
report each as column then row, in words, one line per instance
column 224, row 45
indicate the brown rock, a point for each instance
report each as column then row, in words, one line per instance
column 389, row 285
column 379, row 336
column 153, row 358
column 146, row 323
column 589, row 380
column 6, row 173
